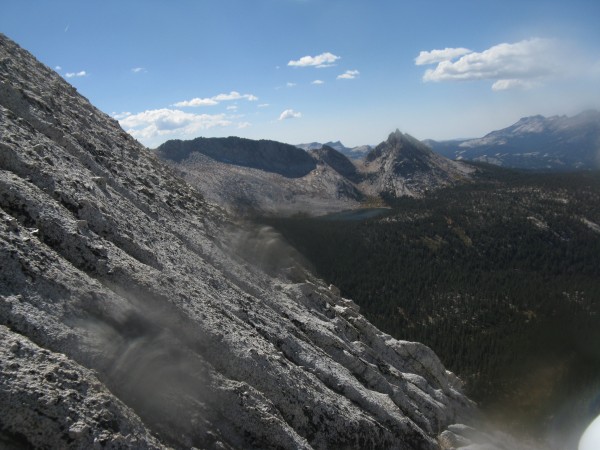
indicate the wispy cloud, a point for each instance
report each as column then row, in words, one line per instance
column 263, row 105
column 232, row 108
column 196, row 102
column 436, row 56
column 317, row 82
column 348, row 75
column 57, row 68
column 120, row 115
column 326, row 59
column 233, row 95
column 242, row 125
column 290, row 84
column 138, row 70
column 149, row 126
column 82, row 73
column 523, row 64
column 503, row 85
column 211, row 101
column 289, row 114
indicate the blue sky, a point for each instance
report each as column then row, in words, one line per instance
column 317, row 70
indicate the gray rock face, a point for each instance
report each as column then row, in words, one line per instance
column 136, row 315
column 49, row 401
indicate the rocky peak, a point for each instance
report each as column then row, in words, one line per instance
column 402, row 165
column 399, row 145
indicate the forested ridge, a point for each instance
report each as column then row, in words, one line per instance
column 501, row 277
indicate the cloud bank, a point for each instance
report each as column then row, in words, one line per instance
column 149, row 125
column 523, row 64
column 326, row 59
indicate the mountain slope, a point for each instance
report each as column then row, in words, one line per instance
column 403, row 166
column 536, row 142
column 337, row 161
column 136, row 315
column 399, row 166
column 349, row 152
column 269, row 156
column 248, row 191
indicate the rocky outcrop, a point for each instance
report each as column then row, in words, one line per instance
column 49, row 401
column 135, row 314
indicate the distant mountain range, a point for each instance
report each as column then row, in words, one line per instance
column 250, row 176
column 537, row 142
column 351, row 152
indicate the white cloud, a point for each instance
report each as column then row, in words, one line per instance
column 138, row 70
column 521, row 64
column 57, row 68
column 317, row 82
column 121, row 115
column 263, row 105
column 504, row 85
column 82, row 73
column 242, row 125
column 232, row 108
column 289, row 84
column 196, row 102
column 289, row 114
column 149, row 125
column 233, row 95
column 436, row 56
column 326, row 59
column 348, row 75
